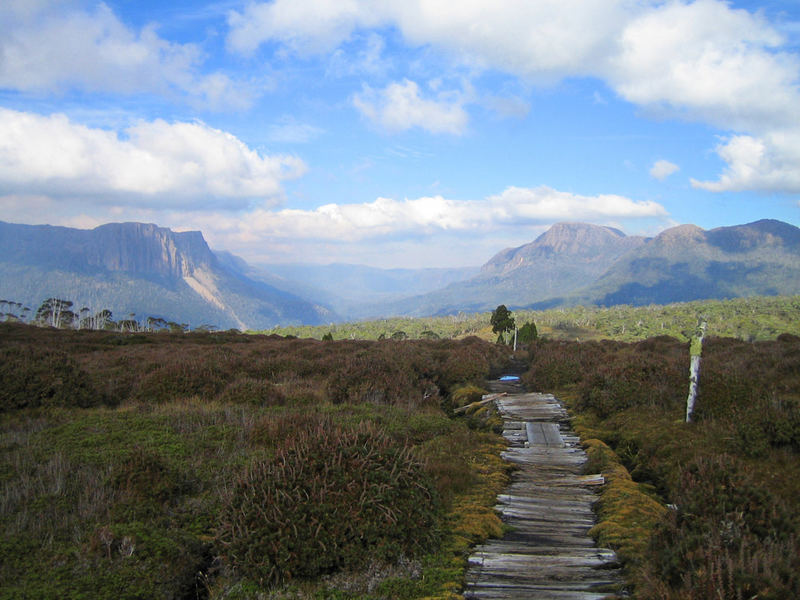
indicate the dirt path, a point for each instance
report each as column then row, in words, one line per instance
column 548, row 507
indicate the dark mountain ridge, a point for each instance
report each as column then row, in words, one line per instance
column 687, row 263
column 560, row 261
column 152, row 271
column 143, row 269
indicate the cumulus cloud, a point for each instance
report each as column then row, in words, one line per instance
column 150, row 162
column 390, row 233
column 305, row 26
column 531, row 38
column 703, row 61
column 771, row 163
column 704, row 58
column 662, row 169
column 513, row 207
column 709, row 62
column 399, row 106
column 57, row 48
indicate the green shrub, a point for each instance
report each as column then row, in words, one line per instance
column 332, row 498
column 649, row 373
column 373, row 377
column 248, row 390
column 32, row 377
column 729, row 537
column 144, row 483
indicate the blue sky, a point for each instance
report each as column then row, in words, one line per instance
column 398, row 133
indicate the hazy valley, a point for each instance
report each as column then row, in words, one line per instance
column 148, row 271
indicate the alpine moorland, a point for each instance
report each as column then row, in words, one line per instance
column 225, row 465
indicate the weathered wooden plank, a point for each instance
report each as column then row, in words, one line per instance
column 543, row 434
column 547, row 553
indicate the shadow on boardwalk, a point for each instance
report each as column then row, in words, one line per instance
column 547, row 552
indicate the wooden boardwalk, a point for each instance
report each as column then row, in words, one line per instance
column 548, row 507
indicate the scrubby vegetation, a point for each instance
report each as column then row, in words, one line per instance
column 221, row 465
column 731, row 476
column 748, row 319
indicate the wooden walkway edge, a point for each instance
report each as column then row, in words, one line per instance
column 547, row 552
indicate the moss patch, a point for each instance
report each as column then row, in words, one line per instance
column 627, row 513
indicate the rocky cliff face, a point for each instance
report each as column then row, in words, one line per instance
column 136, row 248
column 145, row 248
column 144, row 269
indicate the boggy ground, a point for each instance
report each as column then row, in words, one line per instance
column 731, row 478
column 233, row 466
column 126, row 462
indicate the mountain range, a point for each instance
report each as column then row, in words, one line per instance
column 148, row 270
column 142, row 269
column 578, row 263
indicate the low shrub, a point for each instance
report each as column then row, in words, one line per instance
column 555, row 364
column 248, row 390
column 374, row 377
column 649, row 373
column 628, row 514
column 33, row 377
column 332, row 498
column 729, row 537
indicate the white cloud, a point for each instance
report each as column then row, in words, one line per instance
column 426, row 231
column 704, row 58
column 514, row 207
column 662, row 169
column 399, row 106
column 529, row 38
column 57, row 48
column 307, row 26
column 543, row 204
column 152, row 163
column 702, row 61
column 411, row 232
column 771, row 163
column 369, row 60
column 709, row 62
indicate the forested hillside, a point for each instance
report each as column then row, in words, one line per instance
column 760, row 318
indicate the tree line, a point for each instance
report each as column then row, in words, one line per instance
column 63, row 314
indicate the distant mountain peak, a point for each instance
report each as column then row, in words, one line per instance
column 680, row 234
column 144, row 269
column 687, row 263
column 766, row 232
column 577, row 237
column 563, row 242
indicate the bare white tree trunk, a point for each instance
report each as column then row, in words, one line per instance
column 694, row 374
column 695, row 350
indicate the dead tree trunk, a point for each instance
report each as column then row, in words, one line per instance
column 695, row 350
